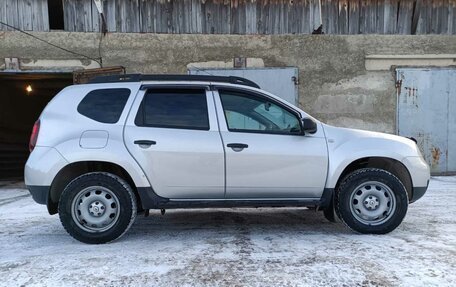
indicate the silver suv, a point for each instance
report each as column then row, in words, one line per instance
column 103, row 151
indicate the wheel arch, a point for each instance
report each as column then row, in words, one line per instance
column 391, row 165
column 75, row 169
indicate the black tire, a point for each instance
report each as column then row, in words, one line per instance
column 114, row 188
column 354, row 213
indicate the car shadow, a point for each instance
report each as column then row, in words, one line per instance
column 252, row 220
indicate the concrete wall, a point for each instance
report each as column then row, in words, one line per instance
column 335, row 85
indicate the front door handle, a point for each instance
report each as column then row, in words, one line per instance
column 146, row 143
column 237, row 146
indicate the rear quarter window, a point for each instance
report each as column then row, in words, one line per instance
column 104, row 105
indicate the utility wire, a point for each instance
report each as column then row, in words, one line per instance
column 53, row 45
column 201, row 70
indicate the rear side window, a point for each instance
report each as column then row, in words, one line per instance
column 170, row 108
column 104, row 105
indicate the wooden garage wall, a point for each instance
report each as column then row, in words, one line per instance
column 28, row 15
column 239, row 16
column 264, row 16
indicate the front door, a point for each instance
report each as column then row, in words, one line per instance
column 173, row 135
column 267, row 156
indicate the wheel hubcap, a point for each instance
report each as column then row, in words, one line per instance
column 372, row 203
column 95, row 209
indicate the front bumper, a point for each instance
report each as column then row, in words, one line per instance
column 419, row 170
column 418, row 192
column 39, row 193
column 420, row 173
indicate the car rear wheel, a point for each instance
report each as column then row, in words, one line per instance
column 97, row 207
column 371, row 200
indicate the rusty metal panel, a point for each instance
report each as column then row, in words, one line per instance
column 452, row 123
column 83, row 76
column 426, row 98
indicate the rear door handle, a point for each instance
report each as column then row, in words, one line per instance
column 145, row 142
column 237, row 146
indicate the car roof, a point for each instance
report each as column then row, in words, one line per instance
column 174, row 78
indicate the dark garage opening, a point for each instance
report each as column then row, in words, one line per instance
column 19, row 109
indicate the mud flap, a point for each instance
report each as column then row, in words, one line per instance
column 329, row 212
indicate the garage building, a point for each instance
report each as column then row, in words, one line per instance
column 384, row 65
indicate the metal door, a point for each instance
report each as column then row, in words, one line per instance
column 426, row 99
column 278, row 81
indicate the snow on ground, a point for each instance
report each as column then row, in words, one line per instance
column 236, row 247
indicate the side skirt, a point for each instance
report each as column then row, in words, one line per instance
column 150, row 200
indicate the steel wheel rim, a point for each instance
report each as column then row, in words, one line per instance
column 372, row 203
column 95, row 209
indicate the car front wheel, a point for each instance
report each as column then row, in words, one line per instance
column 97, row 207
column 371, row 200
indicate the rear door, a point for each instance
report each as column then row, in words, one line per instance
column 173, row 135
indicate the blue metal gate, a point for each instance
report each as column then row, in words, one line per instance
column 278, row 81
column 426, row 111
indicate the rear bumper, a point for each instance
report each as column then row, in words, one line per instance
column 42, row 166
column 39, row 193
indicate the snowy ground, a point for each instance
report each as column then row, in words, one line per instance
column 236, row 247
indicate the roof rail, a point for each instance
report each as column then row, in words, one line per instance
column 165, row 77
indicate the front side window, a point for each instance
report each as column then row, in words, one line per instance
column 240, row 121
column 104, row 105
column 251, row 113
column 171, row 108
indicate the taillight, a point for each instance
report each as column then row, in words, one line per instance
column 34, row 136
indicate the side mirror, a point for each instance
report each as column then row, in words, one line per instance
column 309, row 126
